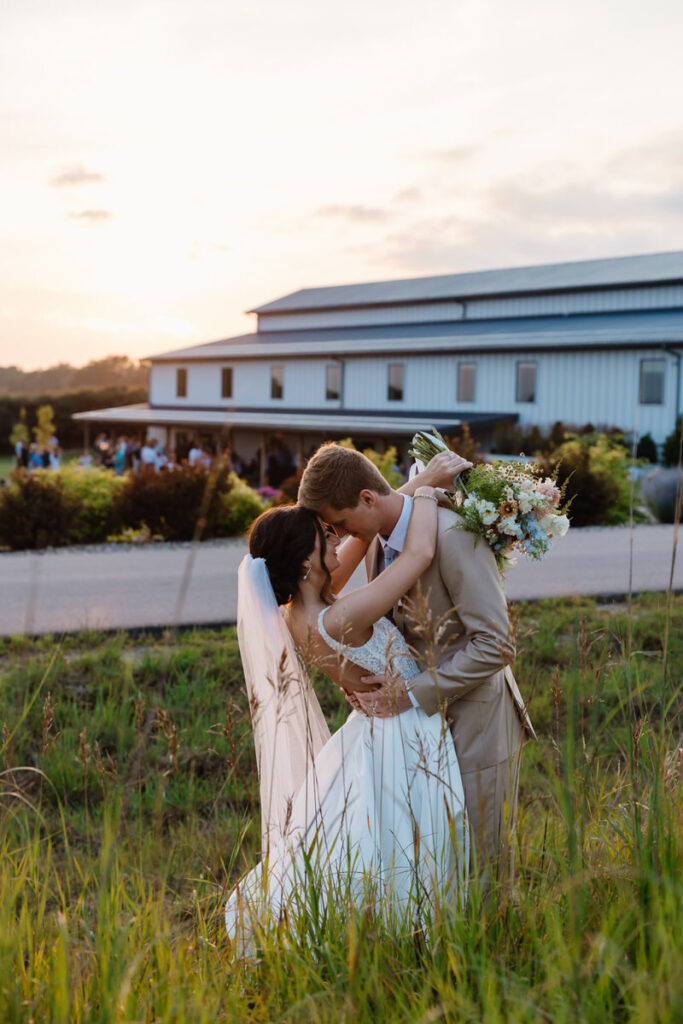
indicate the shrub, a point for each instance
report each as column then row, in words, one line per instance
column 96, row 491
column 239, row 507
column 36, row 511
column 170, row 503
column 672, row 446
column 465, row 445
column 647, row 449
column 661, row 488
column 79, row 506
column 385, row 461
column 593, row 470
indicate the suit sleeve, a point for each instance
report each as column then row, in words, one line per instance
column 470, row 576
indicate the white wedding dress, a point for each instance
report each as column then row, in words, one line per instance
column 380, row 813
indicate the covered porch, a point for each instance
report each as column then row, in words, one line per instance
column 250, row 435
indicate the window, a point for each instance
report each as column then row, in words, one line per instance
column 526, row 382
column 333, row 381
column 226, row 382
column 466, row 377
column 277, row 377
column 652, row 381
column 181, row 383
column 395, row 382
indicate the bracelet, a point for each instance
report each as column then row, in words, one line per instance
column 432, row 497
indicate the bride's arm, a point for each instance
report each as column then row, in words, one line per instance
column 356, row 612
column 350, row 554
column 439, row 472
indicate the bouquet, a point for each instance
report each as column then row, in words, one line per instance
column 506, row 503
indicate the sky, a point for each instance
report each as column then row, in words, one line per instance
column 168, row 165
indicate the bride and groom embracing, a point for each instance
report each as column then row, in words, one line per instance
column 417, row 791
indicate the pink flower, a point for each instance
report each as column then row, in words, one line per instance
column 549, row 489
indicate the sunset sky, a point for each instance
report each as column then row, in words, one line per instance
column 169, row 164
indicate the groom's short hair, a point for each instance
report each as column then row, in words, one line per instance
column 336, row 475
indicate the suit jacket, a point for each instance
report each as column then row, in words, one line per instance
column 456, row 620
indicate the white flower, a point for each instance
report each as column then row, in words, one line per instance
column 510, row 526
column 487, row 511
column 554, row 526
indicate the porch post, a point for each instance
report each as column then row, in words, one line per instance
column 262, row 468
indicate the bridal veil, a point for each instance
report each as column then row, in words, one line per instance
column 287, row 720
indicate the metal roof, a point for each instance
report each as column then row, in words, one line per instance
column 605, row 330
column 604, row 273
column 320, row 421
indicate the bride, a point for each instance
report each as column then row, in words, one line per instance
column 376, row 811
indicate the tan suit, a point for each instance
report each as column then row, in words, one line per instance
column 466, row 647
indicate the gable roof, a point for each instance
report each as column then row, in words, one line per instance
column 663, row 267
column 604, row 330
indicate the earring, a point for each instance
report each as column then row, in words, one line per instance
column 307, row 574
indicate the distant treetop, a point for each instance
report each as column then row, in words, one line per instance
column 111, row 371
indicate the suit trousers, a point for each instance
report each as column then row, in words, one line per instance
column 491, row 801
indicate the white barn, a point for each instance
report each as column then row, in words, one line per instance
column 595, row 341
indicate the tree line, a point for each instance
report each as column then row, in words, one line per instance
column 69, row 432
column 62, row 378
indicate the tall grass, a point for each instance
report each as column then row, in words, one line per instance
column 128, row 803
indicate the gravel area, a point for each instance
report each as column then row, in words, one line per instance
column 117, row 586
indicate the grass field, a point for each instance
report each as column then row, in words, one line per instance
column 8, row 462
column 129, row 808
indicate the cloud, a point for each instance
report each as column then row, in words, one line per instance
column 408, row 195
column 354, row 213
column 76, row 174
column 455, row 155
column 656, row 162
column 203, row 250
column 91, row 216
column 173, row 327
column 583, row 202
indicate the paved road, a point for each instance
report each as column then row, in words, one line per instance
column 63, row 591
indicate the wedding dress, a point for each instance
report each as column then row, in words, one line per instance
column 380, row 811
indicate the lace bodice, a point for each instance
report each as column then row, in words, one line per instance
column 386, row 648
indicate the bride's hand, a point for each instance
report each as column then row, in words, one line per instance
column 442, row 469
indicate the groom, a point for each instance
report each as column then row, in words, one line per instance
column 456, row 618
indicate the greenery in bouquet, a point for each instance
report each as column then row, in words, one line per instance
column 506, row 503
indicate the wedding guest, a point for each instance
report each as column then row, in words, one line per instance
column 119, row 461
column 196, row 455
column 19, row 449
column 35, row 459
column 148, row 456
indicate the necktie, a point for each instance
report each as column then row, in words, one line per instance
column 389, row 555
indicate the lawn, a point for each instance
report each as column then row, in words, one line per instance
column 130, row 808
column 9, row 462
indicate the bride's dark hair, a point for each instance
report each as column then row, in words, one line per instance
column 285, row 537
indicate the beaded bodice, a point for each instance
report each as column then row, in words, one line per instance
column 385, row 650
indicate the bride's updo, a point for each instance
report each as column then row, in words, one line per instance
column 285, row 536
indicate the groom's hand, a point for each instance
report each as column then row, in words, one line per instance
column 389, row 699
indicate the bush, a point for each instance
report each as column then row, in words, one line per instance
column 672, row 446
column 239, row 507
column 384, row 462
column 87, row 506
column 593, row 469
column 36, row 511
column 170, row 504
column 465, row 445
column 95, row 491
column 660, row 490
column 647, row 449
